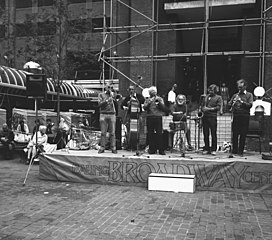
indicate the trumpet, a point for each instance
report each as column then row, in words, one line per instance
column 236, row 99
column 200, row 114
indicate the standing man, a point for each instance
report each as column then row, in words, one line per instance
column 133, row 104
column 107, row 119
column 240, row 105
column 210, row 106
column 154, row 105
column 171, row 97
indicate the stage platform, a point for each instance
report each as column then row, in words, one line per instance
column 215, row 173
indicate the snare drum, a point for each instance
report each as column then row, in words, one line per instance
column 177, row 126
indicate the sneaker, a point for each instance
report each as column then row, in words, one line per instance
column 205, row 152
column 114, row 151
column 101, row 150
column 213, row 153
column 161, row 152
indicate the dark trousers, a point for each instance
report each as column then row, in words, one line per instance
column 239, row 131
column 210, row 125
column 155, row 133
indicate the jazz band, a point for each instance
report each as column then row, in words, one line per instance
column 149, row 103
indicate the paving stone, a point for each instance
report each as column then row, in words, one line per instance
column 91, row 211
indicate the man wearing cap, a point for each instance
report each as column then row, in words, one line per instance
column 155, row 110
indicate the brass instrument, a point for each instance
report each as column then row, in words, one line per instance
column 236, row 99
column 200, row 115
column 202, row 102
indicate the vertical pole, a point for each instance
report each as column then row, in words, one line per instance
column 263, row 42
column 36, row 132
column 153, row 78
column 206, row 46
column 104, row 42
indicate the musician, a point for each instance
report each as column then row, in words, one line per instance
column 240, row 105
column 179, row 111
column 107, row 119
column 133, row 104
column 210, row 106
column 133, row 99
column 154, row 105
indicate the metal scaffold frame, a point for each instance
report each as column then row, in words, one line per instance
column 154, row 27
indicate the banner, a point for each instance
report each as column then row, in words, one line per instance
column 218, row 175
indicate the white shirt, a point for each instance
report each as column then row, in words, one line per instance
column 171, row 96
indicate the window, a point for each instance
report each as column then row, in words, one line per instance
column 46, row 28
column 2, row 31
column 23, row 3
column 80, row 25
column 76, row 1
column 2, row 4
column 24, row 29
column 98, row 23
column 42, row 3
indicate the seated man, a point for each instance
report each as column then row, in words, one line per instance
column 7, row 140
column 41, row 140
column 179, row 111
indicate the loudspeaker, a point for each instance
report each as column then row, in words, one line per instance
column 36, row 85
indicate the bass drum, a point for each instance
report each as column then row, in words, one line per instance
column 145, row 93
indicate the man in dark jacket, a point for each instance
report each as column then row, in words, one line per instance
column 240, row 105
column 210, row 106
column 7, row 140
column 155, row 108
column 133, row 105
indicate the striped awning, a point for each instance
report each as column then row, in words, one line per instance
column 13, row 82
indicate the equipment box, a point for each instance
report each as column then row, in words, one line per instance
column 171, row 182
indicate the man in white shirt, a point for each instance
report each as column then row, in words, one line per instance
column 172, row 95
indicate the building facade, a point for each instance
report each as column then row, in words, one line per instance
column 155, row 42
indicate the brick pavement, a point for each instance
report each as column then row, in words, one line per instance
column 56, row 210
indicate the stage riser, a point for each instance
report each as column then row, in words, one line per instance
column 210, row 175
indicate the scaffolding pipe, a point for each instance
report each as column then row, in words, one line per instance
column 124, row 75
column 126, row 40
column 263, row 43
column 189, row 23
column 102, row 53
column 206, row 46
column 174, row 55
column 135, row 10
column 153, row 79
column 193, row 28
